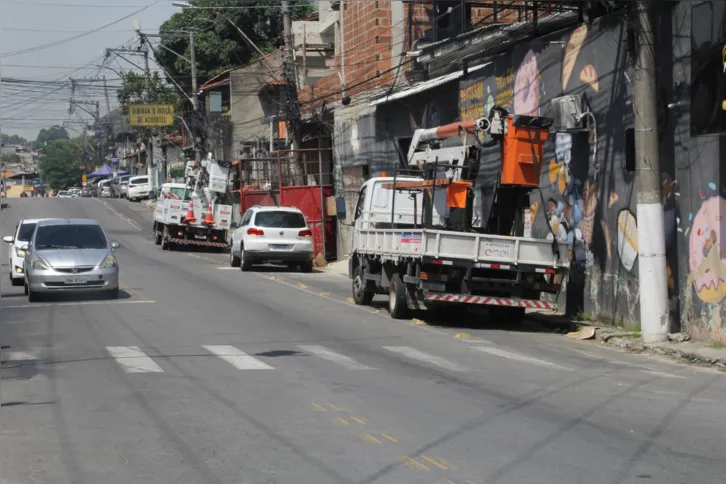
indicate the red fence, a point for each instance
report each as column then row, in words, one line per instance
column 292, row 179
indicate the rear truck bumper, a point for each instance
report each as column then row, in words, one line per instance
column 277, row 256
column 444, row 298
column 199, row 243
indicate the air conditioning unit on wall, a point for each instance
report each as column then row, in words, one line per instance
column 567, row 113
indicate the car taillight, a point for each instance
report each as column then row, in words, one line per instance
column 305, row 233
column 255, row 232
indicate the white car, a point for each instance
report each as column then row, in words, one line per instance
column 138, row 188
column 64, row 194
column 18, row 244
column 272, row 234
column 104, row 188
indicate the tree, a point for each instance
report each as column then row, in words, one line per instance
column 11, row 159
column 133, row 91
column 62, row 163
column 219, row 45
column 13, row 139
column 49, row 135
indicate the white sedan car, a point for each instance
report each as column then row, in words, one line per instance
column 18, row 244
column 272, row 234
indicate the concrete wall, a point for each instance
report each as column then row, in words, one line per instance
column 248, row 107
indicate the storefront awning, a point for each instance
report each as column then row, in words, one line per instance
column 425, row 86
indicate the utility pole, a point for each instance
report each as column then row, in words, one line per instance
column 149, row 139
column 195, row 97
column 293, row 108
column 654, row 317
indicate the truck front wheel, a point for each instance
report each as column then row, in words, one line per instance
column 397, row 301
column 360, row 295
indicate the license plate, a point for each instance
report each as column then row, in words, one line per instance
column 75, row 280
column 279, row 247
column 200, row 237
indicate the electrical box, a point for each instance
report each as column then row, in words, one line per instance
column 567, row 112
column 217, row 177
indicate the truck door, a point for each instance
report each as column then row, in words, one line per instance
column 358, row 218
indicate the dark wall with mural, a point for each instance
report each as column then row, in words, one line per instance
column 588, row 174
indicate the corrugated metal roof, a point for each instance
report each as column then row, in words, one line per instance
column 425, row 86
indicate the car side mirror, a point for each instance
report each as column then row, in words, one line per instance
column 9, row 239
column 115, row 245
column 340, row 209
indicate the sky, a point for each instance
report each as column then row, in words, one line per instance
column 36, row 88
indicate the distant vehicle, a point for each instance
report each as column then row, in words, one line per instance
column 18, row 244
column 272, row 234
column 123, row 184
column 138, row 188
column 75, row 192
column 70, row 255
column 64, row 194
column 104, row 188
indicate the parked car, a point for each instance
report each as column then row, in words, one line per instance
column 70, row 255
column 104, row 188
column 138, row 188
column 18, row 244
column 272, row 234
column 64, row 194
column 123, row 183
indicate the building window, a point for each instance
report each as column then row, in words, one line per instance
column 708, row 68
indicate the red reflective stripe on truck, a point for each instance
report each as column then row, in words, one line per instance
column 490, row 301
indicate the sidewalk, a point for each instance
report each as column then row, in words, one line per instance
column 339, row 267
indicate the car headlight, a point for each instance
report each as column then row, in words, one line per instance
column 108, row 262
column 19, row 252
column 39, row 264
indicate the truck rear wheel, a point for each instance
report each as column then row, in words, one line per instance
column 360, row 295
column 165, row 245
column 157, row 236
column 397, row 301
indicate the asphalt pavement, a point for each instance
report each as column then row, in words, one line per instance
column 201, row 373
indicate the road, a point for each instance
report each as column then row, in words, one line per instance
column 202, row 374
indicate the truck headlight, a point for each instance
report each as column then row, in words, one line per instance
column 108, row 262
column 39, row 264
column 20, row 252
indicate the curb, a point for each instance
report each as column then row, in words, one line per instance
column 690, row 355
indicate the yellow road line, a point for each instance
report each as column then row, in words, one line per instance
column 340, row 421
column 369, row 438
column 391, row 438
column 316, row 407
column 413, row 464
column 336, row 408
column 440, row 463
column 361, row 421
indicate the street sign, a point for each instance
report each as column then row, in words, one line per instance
column 114, row 161
column 84, row 184
column 84, row 178
column 150, row 115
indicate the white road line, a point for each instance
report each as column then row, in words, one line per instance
column 662, row 374
column 644, row 369
column 224, row 268
column 425, row 357
column 122, row 217
column 326, row 354
column 518, row 357
column 83, row 303
column 17, row 356
column 133, row 360
column 237, row 358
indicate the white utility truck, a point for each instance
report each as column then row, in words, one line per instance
column 426, row 237
column 189, row 214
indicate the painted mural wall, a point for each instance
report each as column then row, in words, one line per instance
column 588, row 175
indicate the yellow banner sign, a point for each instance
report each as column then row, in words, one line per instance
column 148, row 115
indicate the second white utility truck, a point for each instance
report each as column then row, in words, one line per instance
column 428, row 238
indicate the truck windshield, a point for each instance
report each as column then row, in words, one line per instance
column 179, row 192
column 280, row 220
column 70, row 237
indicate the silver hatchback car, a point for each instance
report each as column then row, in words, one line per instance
column 70, row 255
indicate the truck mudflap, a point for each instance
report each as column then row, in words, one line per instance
column 489, row 301
column 203, row 243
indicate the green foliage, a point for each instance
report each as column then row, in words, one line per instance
column 49, row 135
column 219, row 45
column 12, row 159
column 13, row 139
column 133, row 91
column 62, row 163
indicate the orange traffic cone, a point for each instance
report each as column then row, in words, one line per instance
column 209, row 218
column 190, row 218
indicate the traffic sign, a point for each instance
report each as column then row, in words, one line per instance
column 150, row 115
column 114, row 161
column 84, row 178
column 84, row 184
